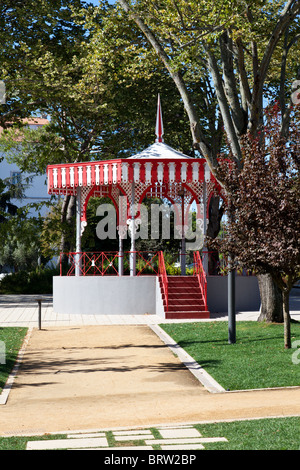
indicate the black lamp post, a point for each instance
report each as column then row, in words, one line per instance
column 181, row 193
column 231, row 296
column 231, row 302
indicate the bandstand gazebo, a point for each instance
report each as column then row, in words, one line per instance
column 159, row 171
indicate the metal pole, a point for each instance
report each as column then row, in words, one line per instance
column 122, row 231
column 183, row 245
column 78, row 232
column 204, row 249
column 39, row 301
column 132, row 252
column 121, row 253
column 231, row 303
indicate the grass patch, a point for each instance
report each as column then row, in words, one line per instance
column 260, row 434
column 11, row 340
column 20, row 442
column 257, row 359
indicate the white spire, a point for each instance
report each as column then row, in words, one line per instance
column 159, row 130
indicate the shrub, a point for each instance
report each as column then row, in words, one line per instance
column 38, row 281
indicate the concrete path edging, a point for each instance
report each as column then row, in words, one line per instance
column 10, row 380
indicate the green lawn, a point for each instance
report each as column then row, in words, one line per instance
column 257, row 359
column 11, row 341
column 262, row 434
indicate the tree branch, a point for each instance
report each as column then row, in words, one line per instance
column 223, row 104
column 290, row 11
column 238, row 116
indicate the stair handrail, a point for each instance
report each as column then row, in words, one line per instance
column 163, row 276
column 200, row 273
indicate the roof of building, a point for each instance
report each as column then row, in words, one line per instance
column 159, row 150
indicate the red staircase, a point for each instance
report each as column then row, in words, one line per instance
column 185, row 299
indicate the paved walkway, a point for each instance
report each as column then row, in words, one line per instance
column 110, row 376
column 22, row 310
column 87, row 373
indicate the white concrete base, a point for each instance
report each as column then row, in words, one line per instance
column 107, row 295
column 247, row 297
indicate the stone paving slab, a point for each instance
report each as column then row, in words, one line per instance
column 133, row 437
column 178, row 438
column 133, row 432
column 133, row 449
column 179, row 432
column 183, row 447
column 85, row 435
column 67, row 443
column 191, row 440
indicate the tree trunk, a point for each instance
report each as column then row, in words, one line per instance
column 287, row 319
column 271, row 300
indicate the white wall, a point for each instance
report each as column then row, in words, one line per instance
column 104, row 295
column 138, row 295
column 247, row 297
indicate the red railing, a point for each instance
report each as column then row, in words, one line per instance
column 163, row 276
column 90, row 263
column 147, row 263
column 107, row 263
column 200, row 273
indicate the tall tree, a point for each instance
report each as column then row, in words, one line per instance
column 26, row 23
column 264, row 214
column 98, row 106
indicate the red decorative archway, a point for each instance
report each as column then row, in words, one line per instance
column 159, row 171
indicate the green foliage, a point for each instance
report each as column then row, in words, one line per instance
column 263, row 208
column 7, row 208
column 20, row 241
column 53, row 27
column 240, row 54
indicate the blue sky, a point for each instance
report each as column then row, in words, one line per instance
column 96, row 2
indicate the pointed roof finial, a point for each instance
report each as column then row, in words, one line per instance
column 159, row 130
